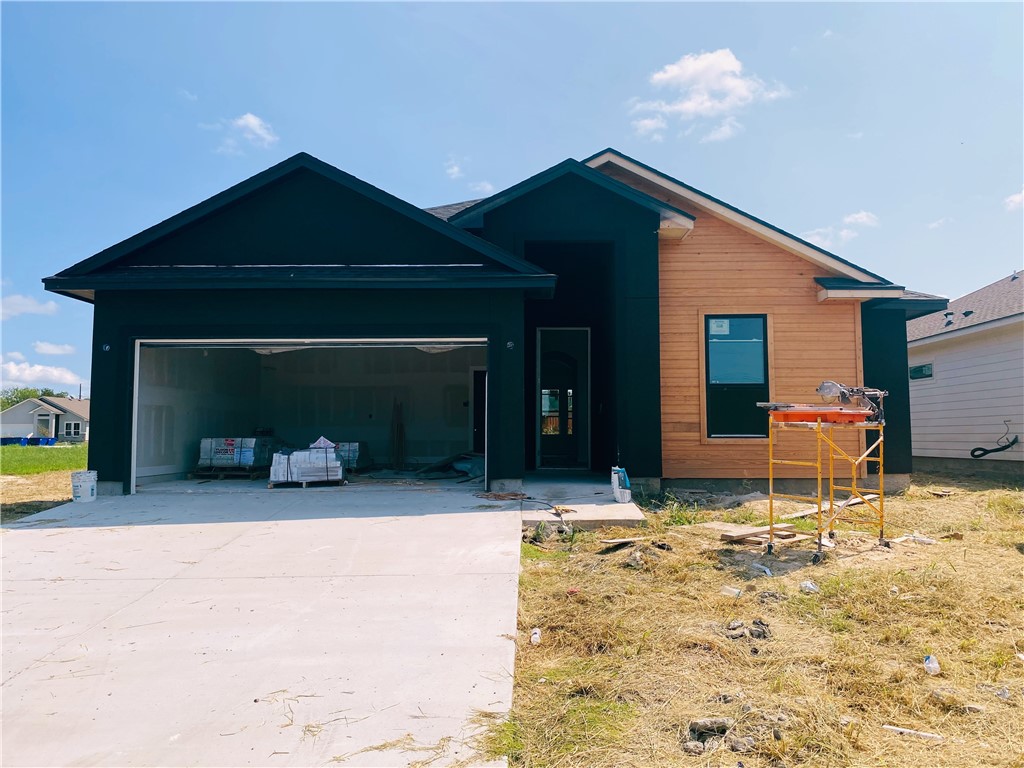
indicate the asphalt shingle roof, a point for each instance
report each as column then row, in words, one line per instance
column 447, row 211
column 1002, row 298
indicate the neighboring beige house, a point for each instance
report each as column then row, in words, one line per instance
column 65, row 418
column 967, row 381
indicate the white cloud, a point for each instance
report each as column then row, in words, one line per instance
column 245, row 129
column 453, row 168
column 821, row 237
column 48, row 348
column 708, row 85
column 650, row 127
column 14, row 356
column 855, row 135
column 16, row 304
column 940, row 222
column 31, row 374
column 1013, row 202
column 827, row 33
column 726, row 130
column 483, row 187
column 846, row 235
column 861, row 219
column 229, row 147
column 255, row 130
column 187, row 95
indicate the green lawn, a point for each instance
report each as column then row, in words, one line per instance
column 32, row 459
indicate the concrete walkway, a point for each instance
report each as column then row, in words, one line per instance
column 589, row 496
column 217, row 626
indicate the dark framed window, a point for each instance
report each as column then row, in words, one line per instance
column 736, row 366
column 920, row 371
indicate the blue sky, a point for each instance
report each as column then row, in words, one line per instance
column 891, row 134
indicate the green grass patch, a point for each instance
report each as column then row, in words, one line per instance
column 34, row 460
column 533, row 552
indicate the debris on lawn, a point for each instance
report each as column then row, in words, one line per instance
column 911, row 732
column 731, row 591
column 809, row 587
column 758, row 630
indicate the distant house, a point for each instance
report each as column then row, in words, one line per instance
column 61, row 417
column 967, row 380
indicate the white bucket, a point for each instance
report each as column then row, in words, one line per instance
column 620, row 486
column 83, row 485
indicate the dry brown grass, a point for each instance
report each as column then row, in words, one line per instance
column 629, row 656
column 22, row 495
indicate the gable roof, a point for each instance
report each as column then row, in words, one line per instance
column 786, row 240
column 70, row 406
column 57, row 405
column 1000, row 300
column 73, row 280
column 472, row 216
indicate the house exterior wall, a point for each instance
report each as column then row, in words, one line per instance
column 18, row 420
column 977, row 383
column 123, row 317
column 720, row 269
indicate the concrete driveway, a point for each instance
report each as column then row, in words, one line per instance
column 226, row 627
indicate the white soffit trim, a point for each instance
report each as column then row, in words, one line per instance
column 881, row 293
column 743, row 222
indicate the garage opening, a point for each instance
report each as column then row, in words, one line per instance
column 408, row 403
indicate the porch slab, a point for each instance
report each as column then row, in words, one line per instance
column 589, row 496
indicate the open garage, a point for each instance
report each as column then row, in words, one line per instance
column 407, row 402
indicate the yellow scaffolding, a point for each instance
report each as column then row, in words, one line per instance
column 825, row 440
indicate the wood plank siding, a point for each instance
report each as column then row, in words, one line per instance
column 720, row 269
column 977, row 382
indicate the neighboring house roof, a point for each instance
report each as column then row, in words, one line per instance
column 77, row 280
column 746, row 221
column 57, row 405
column 447, row 211
column 671, row 216
column 69, row 405
column 998, row 301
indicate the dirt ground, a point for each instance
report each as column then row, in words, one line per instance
column 22, row 495
column 638, row 643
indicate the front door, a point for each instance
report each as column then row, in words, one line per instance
column 563, row 397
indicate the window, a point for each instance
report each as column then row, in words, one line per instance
column 550, row 417
column 920, row 371
column 72, row 429
column 736, row 350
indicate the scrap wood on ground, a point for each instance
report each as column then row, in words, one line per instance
column 643, row 661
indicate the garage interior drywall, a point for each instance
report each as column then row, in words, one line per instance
column 346, row 394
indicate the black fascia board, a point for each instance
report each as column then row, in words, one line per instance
column 544, row 283
column 733, row 208
column 472, row 217
column 849, row 284
column 300, row 161
column 913, row 308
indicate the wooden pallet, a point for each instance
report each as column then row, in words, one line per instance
column 223, row 473
column 307, row 483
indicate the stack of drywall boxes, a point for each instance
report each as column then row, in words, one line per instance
column 245, row 452
column 306, row 466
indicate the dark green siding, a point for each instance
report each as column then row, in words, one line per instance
column 572, row 210
column 884, row 332
column 121, row 318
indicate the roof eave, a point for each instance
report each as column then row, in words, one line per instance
column 744, row 220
